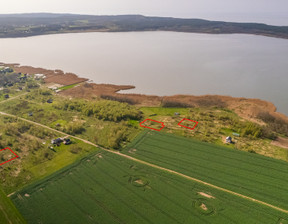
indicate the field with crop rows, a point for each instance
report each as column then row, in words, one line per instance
column 246, row 173
column 8, row 212
column 107, row 188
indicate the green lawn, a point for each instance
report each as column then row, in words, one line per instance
column 8, row 212
column 68, row 87
column 250, row 174
column 107, row 188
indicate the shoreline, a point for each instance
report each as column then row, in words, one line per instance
column 247, row 108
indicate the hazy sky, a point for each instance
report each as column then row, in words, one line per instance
column 269, row 11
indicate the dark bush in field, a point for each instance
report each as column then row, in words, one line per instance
column 211, row 102
column 121, row 99
column 174, row 103
column 74, row 128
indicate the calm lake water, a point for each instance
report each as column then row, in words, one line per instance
column 165, row 63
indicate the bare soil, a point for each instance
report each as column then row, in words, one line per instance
column 204, row 207
column 139, row 181
column 206, row 195
column 281, row 142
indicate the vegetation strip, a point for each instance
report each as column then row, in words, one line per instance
column 155, row 166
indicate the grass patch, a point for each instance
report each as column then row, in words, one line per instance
column 68, row 86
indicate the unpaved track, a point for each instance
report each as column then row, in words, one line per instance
column 12, row 98
column 153, row 165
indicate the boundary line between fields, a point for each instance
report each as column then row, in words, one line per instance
column 153, row 165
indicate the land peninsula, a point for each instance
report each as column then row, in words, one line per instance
column 24, row 25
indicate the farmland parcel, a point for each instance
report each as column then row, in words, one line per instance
column 249, row 174
column 108, row 188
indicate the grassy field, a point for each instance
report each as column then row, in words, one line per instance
column 100, row 131
column 107, row 188
column 215, row 124
column 36, row 159
column 8, row 212
column 250, row 174
column 68, row 86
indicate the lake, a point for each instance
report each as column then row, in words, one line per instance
column 165, row 63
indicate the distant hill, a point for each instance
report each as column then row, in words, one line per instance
column 23, row 25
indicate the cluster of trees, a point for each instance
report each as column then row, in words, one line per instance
column 274, row 124
column 121, row 99
column 74, row 128
column 257, row 131
column 9, row 79
column 102, row 109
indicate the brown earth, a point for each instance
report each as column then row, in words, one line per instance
column 245, row 108
column 281, row 142
column 206, row 195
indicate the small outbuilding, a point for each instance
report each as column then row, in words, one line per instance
column 176, row 113
column 6, row 96
column 228, row 139
column 50, row 101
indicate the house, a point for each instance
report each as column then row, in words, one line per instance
column 228, row 139
column 50, row 101
column 7, row 70
column 57, row 141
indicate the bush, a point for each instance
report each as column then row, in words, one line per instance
column 121, row 99
column 174, row 103
column 252, row 130
column 74, row 128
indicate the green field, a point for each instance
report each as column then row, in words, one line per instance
column 249, row 174
column 8, row 212
column 107, row 188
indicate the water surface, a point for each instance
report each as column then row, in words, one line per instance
column 165, row 63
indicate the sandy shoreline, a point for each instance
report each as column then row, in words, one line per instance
column 246, row 108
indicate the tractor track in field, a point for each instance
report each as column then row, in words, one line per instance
column 150, row 164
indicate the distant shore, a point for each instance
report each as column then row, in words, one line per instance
column 26, row 25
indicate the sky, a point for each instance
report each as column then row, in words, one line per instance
column 274, row 12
